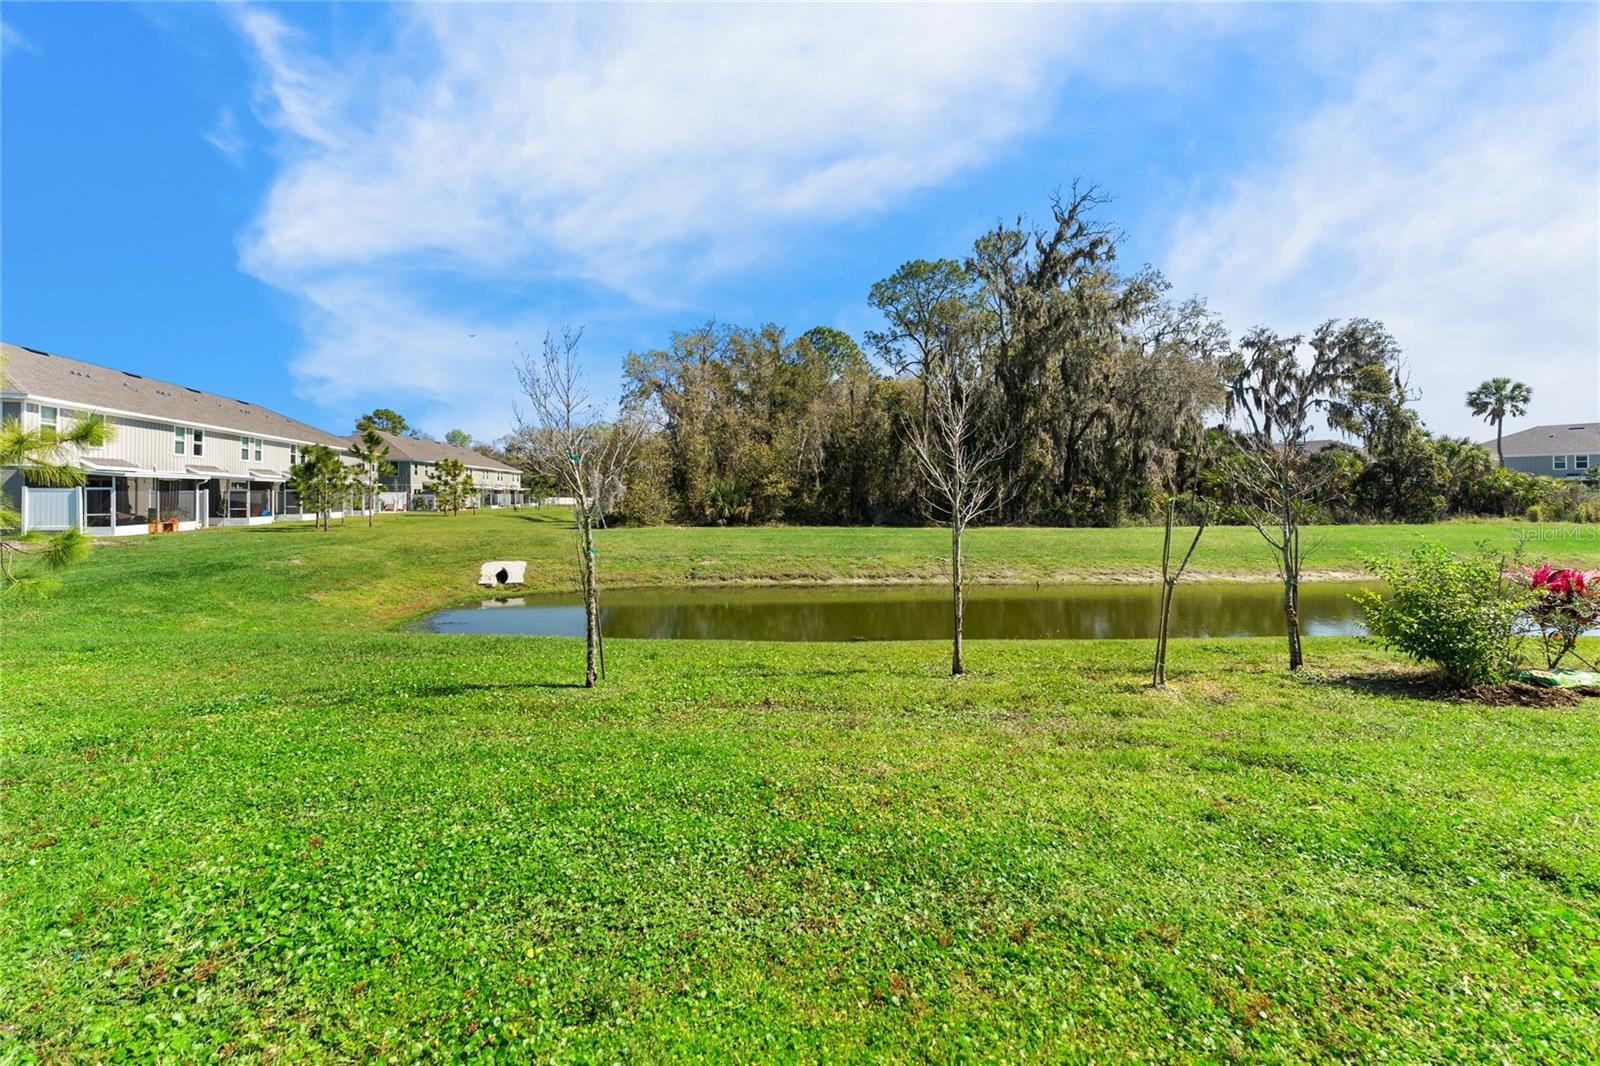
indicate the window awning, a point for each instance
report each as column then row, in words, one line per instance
column 204, row 472
column 267, row 475
column 111, row 466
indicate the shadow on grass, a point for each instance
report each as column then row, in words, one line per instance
column 462, row 688
column 548, row 518
column 884, row 672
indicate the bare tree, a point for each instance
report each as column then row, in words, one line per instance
column 1169, row 585
column 957, row 452
column 566, row 439
column 1278, row 395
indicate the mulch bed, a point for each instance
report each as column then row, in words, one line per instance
column 1431, row 686
column 1522, row 694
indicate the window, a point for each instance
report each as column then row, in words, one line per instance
column 178, row 443
column 1558, row 462
column 1580, row 462
column 247, row 445
column 258, row 449
column 197, row 441
column 48, row 418
column 294, row 455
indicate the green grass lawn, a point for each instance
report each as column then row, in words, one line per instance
column 292, row 577
column 245, row 816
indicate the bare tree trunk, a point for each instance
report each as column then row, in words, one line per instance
column 1499, row 439
column 1158, row 676
column 372, row 505
column 1291, row 595
column 591, row 600
column 957, row 666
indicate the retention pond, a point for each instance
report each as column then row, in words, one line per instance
column 921, row 612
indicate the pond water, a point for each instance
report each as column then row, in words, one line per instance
column 922, row 612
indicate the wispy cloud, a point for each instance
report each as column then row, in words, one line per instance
column 225, row 136
column 642, row 148
column 13, row 41
column 1445, row 181
column 622, row 139
column 1453, row 191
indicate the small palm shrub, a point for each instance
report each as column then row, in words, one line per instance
column 1459, row 613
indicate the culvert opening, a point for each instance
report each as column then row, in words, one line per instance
column 501, row 577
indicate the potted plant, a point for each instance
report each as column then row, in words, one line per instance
column 169, row 522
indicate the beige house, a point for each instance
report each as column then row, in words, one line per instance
column 494, row 483
column 177, row 455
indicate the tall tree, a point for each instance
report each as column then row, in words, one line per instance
column 923, row 303
column 1495, row 400
column 459, row 437
column 1404, row 478
column 587, row 452
column 372, row 466
column 386, row 421
column 45, row 459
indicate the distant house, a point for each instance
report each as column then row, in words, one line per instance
column 190, row 458
column 409, row 488
column 176, row 455
column 1568, row 450
column 1322, row 444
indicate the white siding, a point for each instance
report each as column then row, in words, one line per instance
column 149, row 445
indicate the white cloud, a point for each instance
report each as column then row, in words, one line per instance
column 1452, row 191
column 225, row 136
column 615, row 138
column 1447, row 184
column 12, row 41
column 643, row 148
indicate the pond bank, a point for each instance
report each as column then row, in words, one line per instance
column 913, row 612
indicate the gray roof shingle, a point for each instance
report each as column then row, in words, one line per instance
column 1565, row 438
column 75, row 382
column 417, row 450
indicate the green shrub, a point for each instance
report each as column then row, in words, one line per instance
column 1459, row 613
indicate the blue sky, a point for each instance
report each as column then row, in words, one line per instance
column 326, row 209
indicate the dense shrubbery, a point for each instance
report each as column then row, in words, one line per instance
column 1458, row 613
column 1467, row 615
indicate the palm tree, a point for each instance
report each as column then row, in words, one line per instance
column 1494, row 400
column 373, row 454
column 44, row 457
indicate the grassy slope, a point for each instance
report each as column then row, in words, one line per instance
column 246, row 825
column 291, row 576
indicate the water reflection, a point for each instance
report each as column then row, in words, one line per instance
column 1077, row 612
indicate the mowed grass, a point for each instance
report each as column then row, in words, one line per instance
column 292, row 577
column 242, row 818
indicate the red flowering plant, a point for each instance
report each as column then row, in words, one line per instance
column 1565, row 606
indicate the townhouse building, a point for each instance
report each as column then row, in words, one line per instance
column 416, row 460
column 181, row 458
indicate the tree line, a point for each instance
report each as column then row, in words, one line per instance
column 1105, row 394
